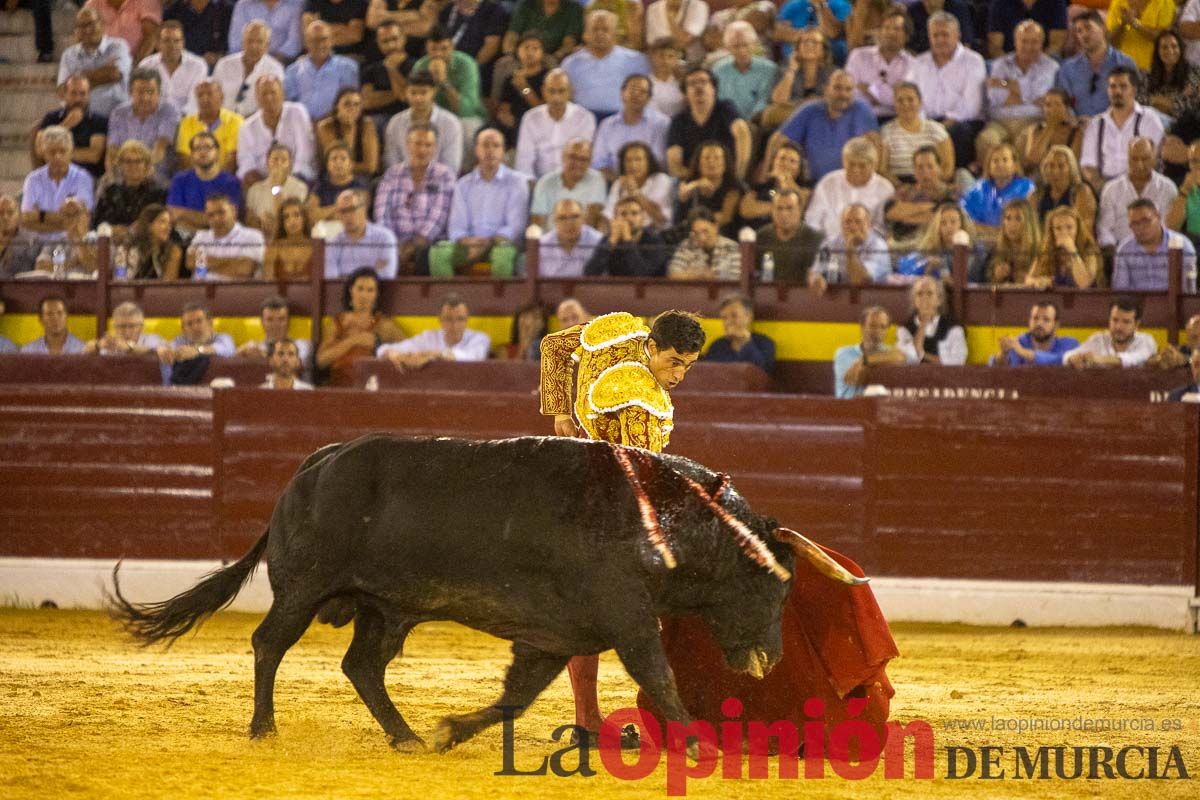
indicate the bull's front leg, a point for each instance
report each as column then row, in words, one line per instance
column 646, row 662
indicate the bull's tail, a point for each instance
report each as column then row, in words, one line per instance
column 170, row 619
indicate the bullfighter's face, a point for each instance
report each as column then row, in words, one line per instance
column 668, row 366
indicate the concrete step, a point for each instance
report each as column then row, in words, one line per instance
column 13, row 134
column 62, row 20
column 42, row 76
column 10, row 187
column 14, row 163
column 26, row 105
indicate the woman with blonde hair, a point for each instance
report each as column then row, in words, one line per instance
column 1062, row 185
column 934, row 254
column 1069, row 255
column 1017, row 246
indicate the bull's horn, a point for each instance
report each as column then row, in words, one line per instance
column 806, row 549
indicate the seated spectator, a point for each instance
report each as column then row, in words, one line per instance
column 1001, row 185
column 684, row 22
column 521, row 90
column 357, row 331
column 78, row 249
column 135, row 21
column 1062, row 185
column 863, row 24
column 18, row 247
column 1184, row 213
column 740, row 344
column 759, row 13
column 1140, row 180
column 909, row 133
column 147, row 118
column 211, row 117
column 179, row 70
column 477, row 27
column 665, row 63
column 791, row 244
column 415, row 18
column 705, row 119
column 315, row 78
column 636, row 122
column 1005, row 18
column 564, row 251
column 912, row 207
column 487, row 214
column 745, row 79
column 229, row 250
column 714, row 188
column 530, row 324
column 931, row 336
column 128, row 336
column 705, row 254
column 631, row 249
column 190, row 190
column 155, row 247
column 275, row 318
column 89, row 131
column 1084, row 76
column 346, row 20
column 878, row 69
column 856, row 183
column 1059, row 127
column 601, row 66
column 384, row 80
column 457, row 79
column 105, row 60
column 1016, row 247
column 205, row 26
column 1169, row 357
column 337, row 178
column 1168, row 86
column 47, row 188
column 797, row 16
column 361, row 243
column 855, row 255
column 1177, row 395
column 1107, row 137
column 282, row 18
column 451, row 341
column 1136, row 26
column 545, row 130
column 55, row 338
column 121, row 202
column 1040, row 345
column 642, row 179
column 286, row 364
column 413, row 200
column 951, row 79
column 238, row 73
column 1122, row 345
column 570, row 312
column 275, row 121
column 851, row 363
column 1069, row 256
column 803, row 78
column 346, row 125
column 1017, row 84
column 290, row 252
column 265, row 199
column 561, row 25
column 821, row 129
column 189, row 353
column 1142, row 261
column 784, row 173
column 934, row 253
column 577, row 181
column 422, row 111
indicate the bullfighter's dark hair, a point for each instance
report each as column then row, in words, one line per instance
column 1127, row 304
column 678, row 330
column 361, row 272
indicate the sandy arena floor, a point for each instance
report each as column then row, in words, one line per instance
column 83, row 712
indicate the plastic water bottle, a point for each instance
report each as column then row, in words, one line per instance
column 373, row 383
column 768, row 267
column 200, row 273
column 833, row 270
column 59, row 260
column 121, row 264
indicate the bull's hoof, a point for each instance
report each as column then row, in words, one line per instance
column 445, row 737
column 413, row 745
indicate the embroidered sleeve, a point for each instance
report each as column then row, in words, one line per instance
column 640, row 428
column 558, row 368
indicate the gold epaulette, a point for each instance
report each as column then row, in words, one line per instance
column 629, row 384
column 610, row 329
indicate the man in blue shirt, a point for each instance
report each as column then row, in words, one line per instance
column 55, row 338
column 740, row 344
column 1040, row 345
column 361, row 243
column 821, row 129
column 1085, row 76
column 47, row 188
column 315, row 79
column 281, row 16
column 189, row 190
column 1143, row 259
column 851, row 363
column 598, row 70
column 637, row 121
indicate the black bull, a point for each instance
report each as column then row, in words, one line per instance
column 535, row 540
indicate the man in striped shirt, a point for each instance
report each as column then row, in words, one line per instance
column 413, row 199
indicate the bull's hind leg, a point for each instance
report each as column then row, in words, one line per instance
column 375, row 644
column 280, row 629
column 531, row 671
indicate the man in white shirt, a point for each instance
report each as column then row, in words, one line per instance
column 545, row 130
column 420, row 93
column 1015, row 90
column 856, row 182
column 1141, row 181
column 452, row 341
column 361, row 243
column 284, row 358
column 566, row 250
column 231, row 250
column 128, row 336
column 856, row 255
column 276, row 120
column 1107, row 137
column 275, row 318
column 180, row 70
column 1122, row 345
column 238, row 73
column 876, row 69
column 951, row 79
column 105, row 60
